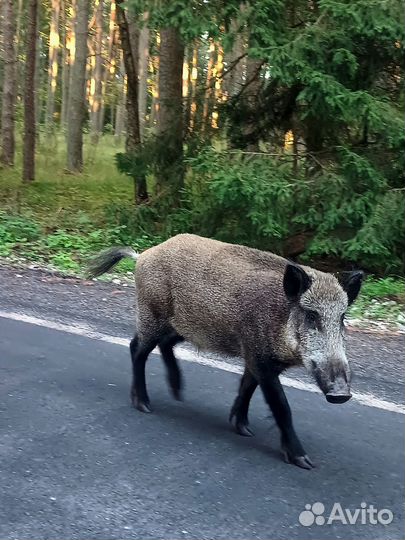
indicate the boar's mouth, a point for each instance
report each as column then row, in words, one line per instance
column 336, row 390
column 337, row 398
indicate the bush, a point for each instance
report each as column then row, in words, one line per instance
column 349, row 212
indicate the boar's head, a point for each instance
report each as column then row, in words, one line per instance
column 315, row 328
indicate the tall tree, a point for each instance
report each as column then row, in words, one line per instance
column 234, row 58
column 67, row 26
column 143, row 53
column 129, row 44
column 77, row 91
column 154, row 65
column 120, row 110
column 208, row 98
column 29, row 93
column 170, row 117
column 110, row 67
column 97, row 75
column 250, row 98
column 53, row 64
column 9, row 85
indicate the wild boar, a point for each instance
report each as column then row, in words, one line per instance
column 246, row 303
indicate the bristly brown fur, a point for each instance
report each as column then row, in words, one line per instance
column 221, row 297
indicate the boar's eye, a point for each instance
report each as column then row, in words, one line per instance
column 343, row 320
column 312, row 318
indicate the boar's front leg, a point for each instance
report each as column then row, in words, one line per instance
column 276, row 399
column 173, row 371
column 248, row 385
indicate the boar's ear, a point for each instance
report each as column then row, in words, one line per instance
column 296, row 281
column 351, row 283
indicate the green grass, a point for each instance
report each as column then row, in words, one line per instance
column 61, row 218
column 381, row 299
column 59, row 199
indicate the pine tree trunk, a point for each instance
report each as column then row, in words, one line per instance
column 129, row 43
column 186, row 87
column 19, row 39
column 209, row 90
column 218, row 71
column 233, row 80
column 109, row 70
column 129, row 50
column 251, row 96
column 170, row 117
column 38, row 78
column 53, row 65
column 143, row 74
column 9, row 86
column 29, row 94
column 77, row 91
column 119, row 115
column 65, row 25
column 154, row 64
column 96, row 90
column 193, row 85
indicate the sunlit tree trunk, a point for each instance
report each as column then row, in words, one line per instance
column 53, row 64
column 19, row 43
column 96, row 79
column 143, row 73
column 217, row 76
column 70, row 52
column 77, row 91
column 66, row 29
column 29, row 93
column 193, row 86
column 186, row 87
column 38, row 75
column 9, row 85
column 110, row 67
column 154, row 68
column 170, row 117
column 209, row 87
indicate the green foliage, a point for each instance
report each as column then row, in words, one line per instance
column 64, row 261
column 14, row 231
column 67, row 250
column 381, row 299
column 237, row 199
column 347, row 212
column 383, row 288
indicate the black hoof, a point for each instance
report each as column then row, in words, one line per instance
column 143, row 406
column 242, row 429
column 241, row 426
column 300, row 461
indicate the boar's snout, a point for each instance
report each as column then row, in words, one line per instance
column 339, row 391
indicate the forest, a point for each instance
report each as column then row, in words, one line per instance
column 275, row 124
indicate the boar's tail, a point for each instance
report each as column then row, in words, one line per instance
column 104, row 261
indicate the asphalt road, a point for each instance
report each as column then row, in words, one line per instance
column 77, row 462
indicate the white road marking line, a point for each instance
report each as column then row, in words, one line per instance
column 187, row 355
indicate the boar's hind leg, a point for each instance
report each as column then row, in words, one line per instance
column 173, row 371
column 240, row 408
column 277, row 401
column 140, row 350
